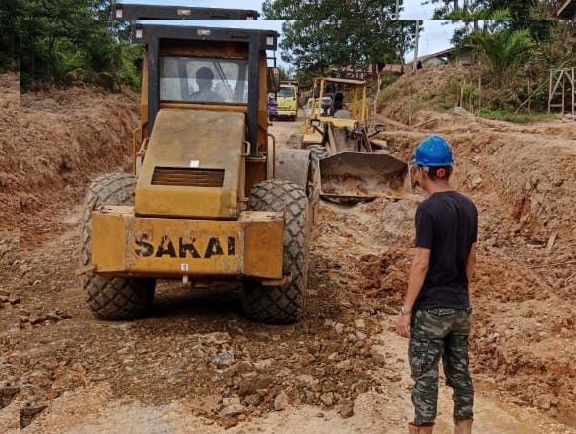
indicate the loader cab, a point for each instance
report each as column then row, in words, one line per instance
column 337, row 103
column 347, row 94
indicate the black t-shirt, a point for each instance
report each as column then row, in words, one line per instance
column 447, row 224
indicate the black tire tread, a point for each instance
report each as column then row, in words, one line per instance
column 112, row 297
column 282, row 304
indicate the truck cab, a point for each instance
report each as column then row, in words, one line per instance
column 287, row 100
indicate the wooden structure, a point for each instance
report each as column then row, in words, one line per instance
column 567, row 10
column 561, row 83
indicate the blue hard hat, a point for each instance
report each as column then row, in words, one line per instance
column 434, row 151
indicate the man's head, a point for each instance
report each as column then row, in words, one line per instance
column 204, row 77
column 433, row 162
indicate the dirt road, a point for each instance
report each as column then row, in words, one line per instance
column 196, row 357
column 197, row 366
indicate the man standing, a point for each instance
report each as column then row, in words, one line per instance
column 436, row 311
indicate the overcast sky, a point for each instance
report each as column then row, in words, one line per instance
column 435, row 37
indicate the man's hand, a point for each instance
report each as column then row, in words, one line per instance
column 403, row 326
column 416, row 278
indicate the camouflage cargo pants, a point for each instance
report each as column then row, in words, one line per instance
column 440, row 334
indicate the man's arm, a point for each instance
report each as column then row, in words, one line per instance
column 416, row 278
column 471, row 264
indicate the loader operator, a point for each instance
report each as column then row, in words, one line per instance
column 436, row 311
column 204, row 78
column 340, row 110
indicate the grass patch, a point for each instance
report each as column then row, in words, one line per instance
column 519, row 118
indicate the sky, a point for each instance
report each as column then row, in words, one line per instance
column 435, row 37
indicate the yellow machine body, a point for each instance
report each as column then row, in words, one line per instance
column 211, row 199
column 193, row 173
column 193, row 166
column 186, row 218
column 354, row 169
column 127, row 245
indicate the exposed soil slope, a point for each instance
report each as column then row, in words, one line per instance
column 66, row 139
column 197, row 365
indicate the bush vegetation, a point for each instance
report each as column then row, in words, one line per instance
column 59, row 42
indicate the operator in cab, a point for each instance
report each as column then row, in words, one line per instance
column 204, row 79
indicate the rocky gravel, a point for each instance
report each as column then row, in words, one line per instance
column 197, row 365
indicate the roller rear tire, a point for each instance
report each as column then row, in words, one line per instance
column 112, row 298
column 281, row 304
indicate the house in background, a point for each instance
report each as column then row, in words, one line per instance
column 352, row 73
column 452, row 55
column 462, row 56
column 449, row 56
column 393, row 68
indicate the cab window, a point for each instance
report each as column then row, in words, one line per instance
column 286, row 92
column 203, row 80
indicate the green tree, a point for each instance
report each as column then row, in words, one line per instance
column 51, row 28
column 9, row 37
column 320, row 35
column 505, row 50
column 62, row 35
column 519, row 14
column 524, row 15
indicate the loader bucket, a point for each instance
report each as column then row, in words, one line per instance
column 363, row 176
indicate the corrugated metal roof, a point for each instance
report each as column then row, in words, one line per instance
column 431, row 56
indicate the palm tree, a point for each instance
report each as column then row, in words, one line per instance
column 505, row 50
column 470, row 14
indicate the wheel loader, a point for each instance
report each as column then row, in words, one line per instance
column 211, row 199
column 354, row 167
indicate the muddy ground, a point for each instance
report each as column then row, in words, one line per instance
column 196, row 365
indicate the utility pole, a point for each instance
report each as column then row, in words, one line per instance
column 416, row 45
column 397, row 15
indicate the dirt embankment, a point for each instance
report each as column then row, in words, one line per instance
column 66, row 138
column 197, row 356
column 427, row 89
column 522, row 179
column 53, row 144
column 9, row 154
